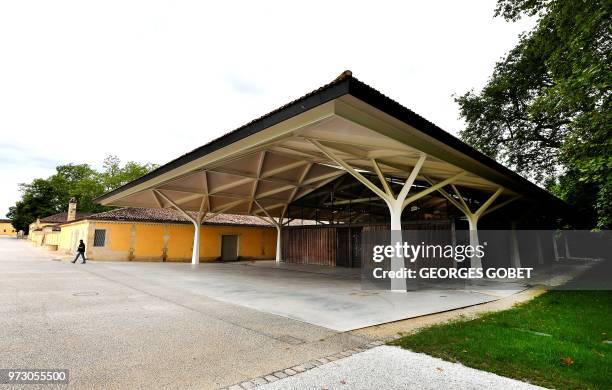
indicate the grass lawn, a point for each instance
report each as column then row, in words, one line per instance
column 556, row 340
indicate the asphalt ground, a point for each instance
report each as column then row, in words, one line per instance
column 115, row 329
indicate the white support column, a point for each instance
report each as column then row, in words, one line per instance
column 396, row 204
column 539, row 246
column 475, row 261
column 195, row 254
column 397, row 263
column 279, row 243
column 197, row 224
column 396, row 207
column 516, row 254
column 279, row 231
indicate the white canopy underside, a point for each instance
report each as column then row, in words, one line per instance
column 275, row 166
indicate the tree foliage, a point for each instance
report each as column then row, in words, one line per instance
column 545, row 111
column 43, row 197
column 114, row 175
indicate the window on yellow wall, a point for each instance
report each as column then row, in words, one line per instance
column 99, row 237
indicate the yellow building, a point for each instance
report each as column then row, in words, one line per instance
column 45, row 231
column 163, row 235
column 6, row 228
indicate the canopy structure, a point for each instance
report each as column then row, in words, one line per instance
column 343, row 128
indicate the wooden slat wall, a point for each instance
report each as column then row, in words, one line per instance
column 310, row 245
column 343, row 249
column 430, row 232
column 322, row 245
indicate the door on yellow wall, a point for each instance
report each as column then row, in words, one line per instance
column 229, row 247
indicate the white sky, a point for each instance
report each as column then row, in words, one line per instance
column 150, row 80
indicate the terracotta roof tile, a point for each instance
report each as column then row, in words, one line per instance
column 62, row 217
column 170, row 216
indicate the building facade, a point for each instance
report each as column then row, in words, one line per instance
column 136, row 234
column 45, row 231
column 6, row 228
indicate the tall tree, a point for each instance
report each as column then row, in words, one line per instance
column 76, row 181
column 114, row 175
column 37, row 200
column 545, row 111
column 43, row 197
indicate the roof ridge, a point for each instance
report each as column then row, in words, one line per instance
column 347, row 73
column 344, row 76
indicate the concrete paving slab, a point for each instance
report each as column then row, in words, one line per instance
column 324, row 296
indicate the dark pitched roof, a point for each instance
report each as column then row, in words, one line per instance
column 345, row 84
column 169, row 216
column 328, row 92
column 4, row 220
column 62, row 217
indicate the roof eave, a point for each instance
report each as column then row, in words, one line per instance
column 345, row 85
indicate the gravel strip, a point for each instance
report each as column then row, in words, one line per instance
column 388, row 367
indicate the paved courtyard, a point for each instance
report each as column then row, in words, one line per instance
column 153, row 325
column 326, row 296
column 126, row 330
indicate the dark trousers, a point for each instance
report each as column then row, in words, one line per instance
column 82, row 254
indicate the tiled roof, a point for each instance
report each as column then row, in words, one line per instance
column 62, row 217
column 3, row 220
column 170, row 216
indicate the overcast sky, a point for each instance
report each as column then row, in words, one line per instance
column 150, row 80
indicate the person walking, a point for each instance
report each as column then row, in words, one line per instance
column 80, row 252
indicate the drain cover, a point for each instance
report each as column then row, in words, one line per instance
column 85, row 293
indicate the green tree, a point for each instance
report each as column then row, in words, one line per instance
column 545, row 111
column 114, row 175
column 76, row 181
column 37, row 200
column 43, row 197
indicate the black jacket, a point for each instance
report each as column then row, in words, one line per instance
column 81, row 248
